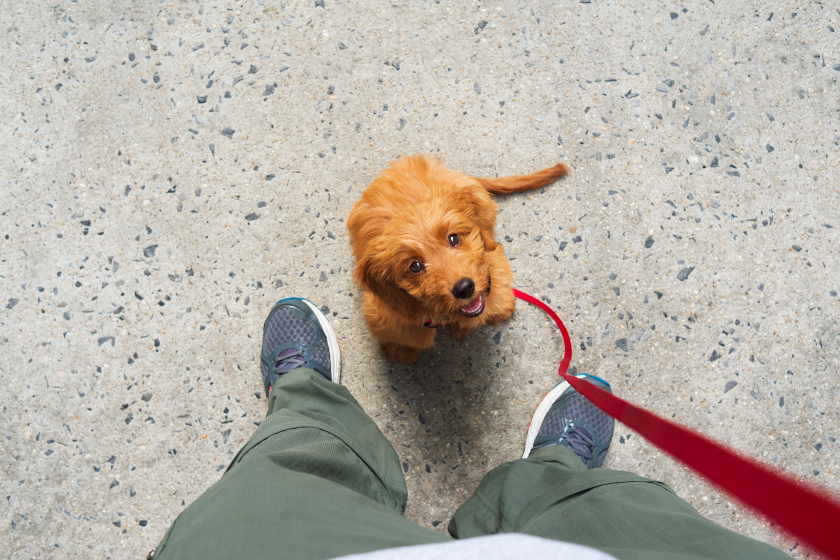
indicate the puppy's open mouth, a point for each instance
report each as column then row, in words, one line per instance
column 474, row 308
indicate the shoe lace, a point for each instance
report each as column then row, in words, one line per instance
column 287, row 360
column 579, row 441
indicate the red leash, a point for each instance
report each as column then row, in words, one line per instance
column 806, row 512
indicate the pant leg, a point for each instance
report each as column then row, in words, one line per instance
column 552, row 495
column 317, row 480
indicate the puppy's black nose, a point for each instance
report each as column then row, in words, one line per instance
column 464, row 288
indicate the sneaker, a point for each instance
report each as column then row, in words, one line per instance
column 567, row 418
column 296, row 334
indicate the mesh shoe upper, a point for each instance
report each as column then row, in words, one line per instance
column 574, row 422
column 292, row 338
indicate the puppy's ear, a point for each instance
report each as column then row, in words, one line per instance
column 481, row 209
column 374, row 276
column 487, row 238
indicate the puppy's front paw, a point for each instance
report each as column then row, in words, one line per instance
column 400, row 353
column 458, row 331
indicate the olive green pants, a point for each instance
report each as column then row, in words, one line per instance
column 319, row 480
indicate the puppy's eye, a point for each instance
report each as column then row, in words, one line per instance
column 416, row 267
column 454, row 239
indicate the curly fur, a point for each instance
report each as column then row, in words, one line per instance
column 407, row 214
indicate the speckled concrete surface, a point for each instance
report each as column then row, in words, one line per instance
column 172, row 169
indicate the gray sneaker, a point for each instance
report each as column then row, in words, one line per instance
column 567, row 418
column 296, row 334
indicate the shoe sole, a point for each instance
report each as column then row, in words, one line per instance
column 545, row 405
column 332, row 339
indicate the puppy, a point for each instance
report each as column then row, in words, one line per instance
column 425, row 254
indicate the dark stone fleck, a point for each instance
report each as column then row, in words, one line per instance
column 715, row 356
column 769, row 148
column 114, row 483
column 269, row 177
column 683, row 274
column 138, row 296
column 621, row 344
column 648, row 242
column 116, row 523
column 150, row 251
column 621, row 439
column 477, row 88
column 12, row 303
column 143, row 522
column 422, row 420
column 341, row 46
column 146, row 397
column 227, row 131
column 729, row 386
column 674, row 15
column 103, row 339
column 781, row 402
column 252, row 69
column 497, row 338
column 320, row 4
column 796, row 248
column 201, row 98
column 714, row 162
column 668, row 82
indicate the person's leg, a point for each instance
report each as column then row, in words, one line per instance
column 558, row 491
column 317, row 479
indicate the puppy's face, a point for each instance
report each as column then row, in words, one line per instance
column 434, row 252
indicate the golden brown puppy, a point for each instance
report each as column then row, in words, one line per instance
column 425, row 255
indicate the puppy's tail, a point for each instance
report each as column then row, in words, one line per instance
column 519, row 183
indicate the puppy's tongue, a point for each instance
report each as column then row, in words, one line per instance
column 474, row 308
